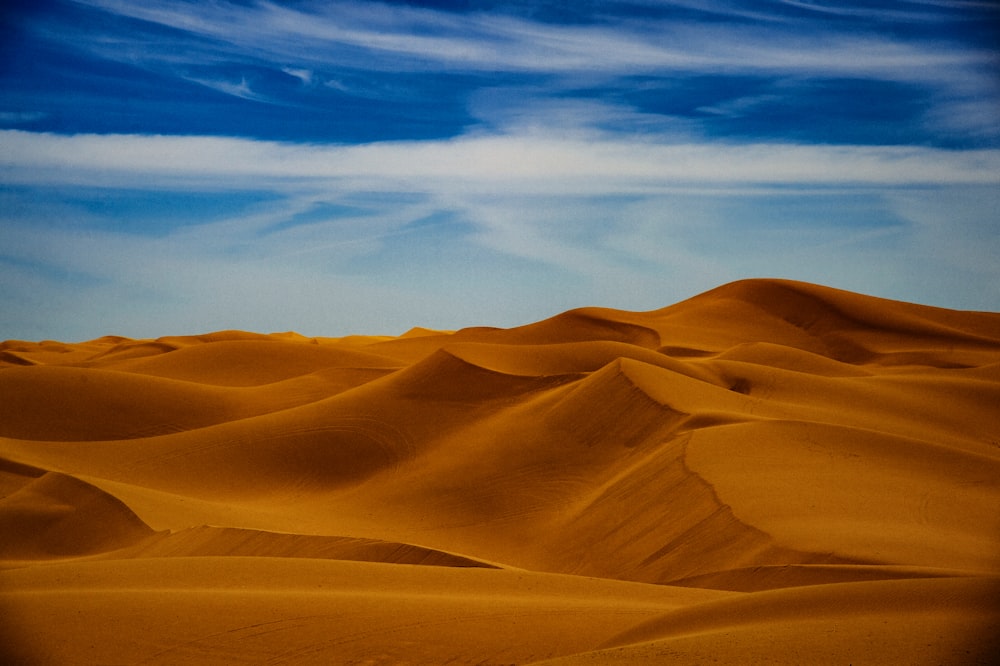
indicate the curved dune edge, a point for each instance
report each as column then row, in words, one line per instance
column 47, row 515
column 917, row 621
column 208, row 541
column 601, row 485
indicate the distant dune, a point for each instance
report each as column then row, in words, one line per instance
column 769, row 472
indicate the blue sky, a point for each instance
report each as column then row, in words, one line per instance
column 174, row 167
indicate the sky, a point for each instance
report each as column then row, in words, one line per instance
column 345, row 167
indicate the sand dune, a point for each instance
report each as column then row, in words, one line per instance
column 941, row 620
column 770, row 472
column 47, row 515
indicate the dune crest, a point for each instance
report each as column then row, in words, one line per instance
column 769, row 471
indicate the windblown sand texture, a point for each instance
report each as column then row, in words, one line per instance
column 770, row 472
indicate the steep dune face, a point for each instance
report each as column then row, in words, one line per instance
column 51, row 515
column 837, row 452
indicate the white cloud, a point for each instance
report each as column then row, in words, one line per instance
column 596, row 222
column 395, row 38
column 610, row 211
column 477, row 163
column 241, row 89
column 303, row 75
column 975, row 118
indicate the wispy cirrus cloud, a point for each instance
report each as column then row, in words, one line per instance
column 590, row 217
column 390, row 71
column 241, row 89
column 417, row 38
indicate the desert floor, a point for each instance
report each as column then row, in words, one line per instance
column 770, row 472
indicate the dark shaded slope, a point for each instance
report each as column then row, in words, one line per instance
column 47, row 514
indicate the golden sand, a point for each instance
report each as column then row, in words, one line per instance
column 770, row 472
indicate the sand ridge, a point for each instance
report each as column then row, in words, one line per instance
column 601, row 485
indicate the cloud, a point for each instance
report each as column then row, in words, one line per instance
column 594, row 219
column 478, row 163
column 303, row 75
column 350, row 71
column 241, row 89
column 375, row 35
column 21, row 117
column 975, row 117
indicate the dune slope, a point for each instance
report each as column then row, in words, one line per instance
column 770, row 471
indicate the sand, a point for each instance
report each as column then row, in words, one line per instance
column 769, row 472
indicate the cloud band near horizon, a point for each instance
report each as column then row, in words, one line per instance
column 631, row 165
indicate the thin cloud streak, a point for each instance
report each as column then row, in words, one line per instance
column 480, row 162
column 396, row 38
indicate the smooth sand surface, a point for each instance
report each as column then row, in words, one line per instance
column 770, row 472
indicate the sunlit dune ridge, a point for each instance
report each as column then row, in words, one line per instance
column 769, row 472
